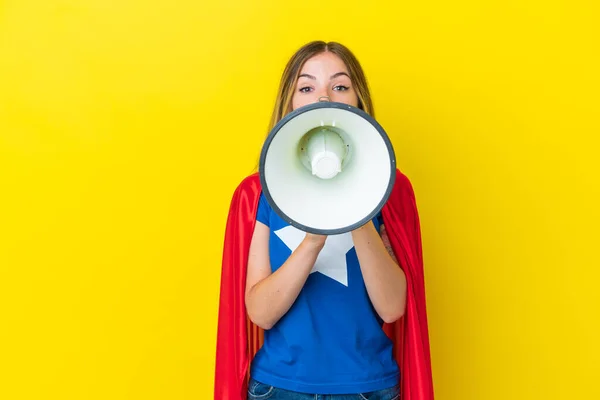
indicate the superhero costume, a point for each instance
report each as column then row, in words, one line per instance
column 238, row 339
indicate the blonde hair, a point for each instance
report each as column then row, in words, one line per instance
column 287, row 85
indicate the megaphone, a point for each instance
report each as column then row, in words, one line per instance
column 327, row 168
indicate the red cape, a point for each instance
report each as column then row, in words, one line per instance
column 238, row 339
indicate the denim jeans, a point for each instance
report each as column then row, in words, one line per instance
column 261, row 391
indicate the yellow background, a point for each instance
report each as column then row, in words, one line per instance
column 126, row 125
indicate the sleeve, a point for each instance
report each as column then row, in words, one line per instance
column 378, row 222
column 379, row 219
column 264, row 210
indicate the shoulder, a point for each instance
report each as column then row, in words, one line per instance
column 402, row 180
column 246, row 194
column 249, row 182
column 403, row 188
column 249, row 185
column 401, row 204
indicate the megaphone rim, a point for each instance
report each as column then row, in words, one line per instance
column 311, row 107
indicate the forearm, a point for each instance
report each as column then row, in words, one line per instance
column 384, row 279
column 273, row 296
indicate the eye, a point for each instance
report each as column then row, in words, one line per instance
column 305, row 89
column 341, row 88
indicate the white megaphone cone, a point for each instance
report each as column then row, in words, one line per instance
column 327, row 168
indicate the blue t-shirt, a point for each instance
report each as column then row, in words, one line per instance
column 331, row 340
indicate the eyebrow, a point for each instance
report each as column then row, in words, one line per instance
column 332, row 76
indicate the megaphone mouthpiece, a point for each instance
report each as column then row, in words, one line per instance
column 326, row 165
column 325, row 150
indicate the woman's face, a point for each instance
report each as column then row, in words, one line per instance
column 324, row 75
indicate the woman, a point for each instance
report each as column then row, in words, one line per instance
column 322, row 336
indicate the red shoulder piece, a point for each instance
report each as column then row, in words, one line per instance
column 410, row 333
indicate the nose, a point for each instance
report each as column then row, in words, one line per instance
column 324, row 98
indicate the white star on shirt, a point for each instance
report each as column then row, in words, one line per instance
column 331, row 261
